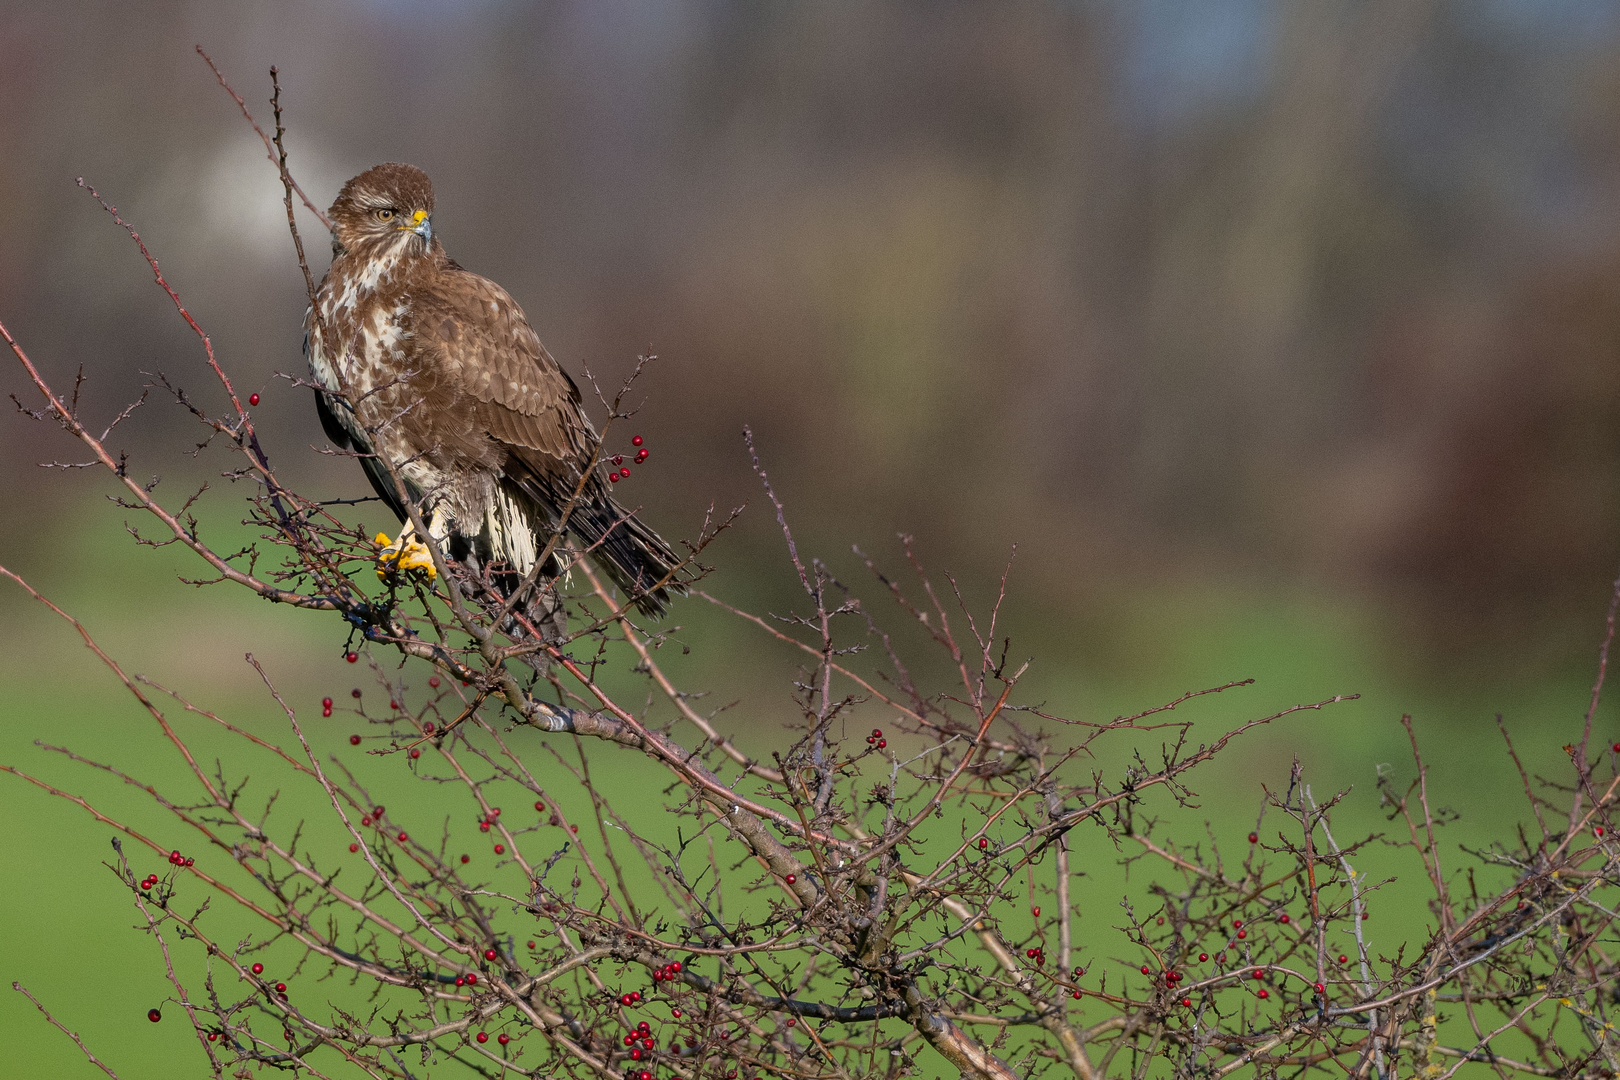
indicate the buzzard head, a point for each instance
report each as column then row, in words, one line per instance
column 386, row 210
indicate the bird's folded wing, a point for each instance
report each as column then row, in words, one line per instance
column 487, row 346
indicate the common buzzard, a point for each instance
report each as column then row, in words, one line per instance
column 436, row 370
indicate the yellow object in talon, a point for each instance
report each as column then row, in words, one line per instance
column 403, row 554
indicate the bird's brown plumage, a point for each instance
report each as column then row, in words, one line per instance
column 437, row 370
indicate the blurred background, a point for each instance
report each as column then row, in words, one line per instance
column 1279, row 337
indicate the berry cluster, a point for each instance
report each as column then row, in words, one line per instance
column 630, row 999
column 668, row 972
column 1037, row 955
column 326, row 706
column 469, row 979
column 876, row 739
column 149, row 881
column 177, row 859
column 640, row 1041
column 620, row 472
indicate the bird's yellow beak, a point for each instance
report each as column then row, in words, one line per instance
column 420, row 224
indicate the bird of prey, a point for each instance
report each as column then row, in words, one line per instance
column 436, row 370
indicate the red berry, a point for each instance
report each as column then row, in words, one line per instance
column 353, row 848
column 1202, row 957
column 676, row 966
column 403, row 837
column 461, row 980
column 882, row 743
column 212, row 1036
column 489, row 954
column 790, row 879
column 1254, row 838
column 495, row 812
column 1236, row 923
column 352, row 658
column 483, row 1036
column 1035, row 911
column 643, row 1027
column 416, row 753
column 253, row 399
column 983, row 843
column 641, row 455
column 483, row 826
column 392, row 704
column 258, row 969
column 354, row 740
column 377, row 812
column 635, row 995
column 618, row 459
column 428, row 728
column 355, row 693
column 1284, row 918
column 146, row 885
column 1145, row 969
column 539, row 806
column 153, row 1015
column 624, row 999
column 433, row 681
column 676, row 1013
column 877, row 733
column 326, row 710
column 1242, row 934
column 1186, row 1003
column 500, row 849
column 1598, row 831
column 472, row 978
column 281, row 988
column 792, row 1020
column 1259, row 974
column 366, row 820
column 625, row 472
column 636, row 441
column 1320, row 989
column 1343, row 959
column 1031, row 954
column 504, row 1039
column 326, row 703
column 637, row 1054
column 1617, row 747
column 531, row 944
column 1075, row 995
column 1264, row 993
column 613, row 478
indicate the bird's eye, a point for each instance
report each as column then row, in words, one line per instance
column 384, row 214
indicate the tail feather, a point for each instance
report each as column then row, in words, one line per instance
column 634, row 556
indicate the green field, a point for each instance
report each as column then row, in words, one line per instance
column 70, row 926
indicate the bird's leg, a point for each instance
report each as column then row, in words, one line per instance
column 408, row 553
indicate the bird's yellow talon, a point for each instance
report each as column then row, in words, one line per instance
column 403, row 554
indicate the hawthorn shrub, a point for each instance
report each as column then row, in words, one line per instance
column 886, row 893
